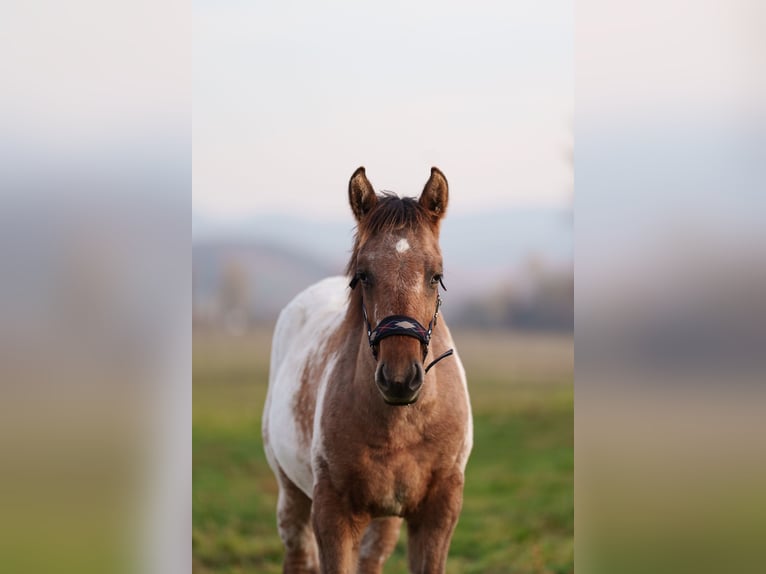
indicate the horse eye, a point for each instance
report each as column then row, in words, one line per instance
column 359, row 276
column 437, row 278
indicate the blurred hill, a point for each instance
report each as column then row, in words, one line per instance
column 240, row 282
column 503, row 269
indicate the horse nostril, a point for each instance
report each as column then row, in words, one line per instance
column 417, row 376
column 382, row 378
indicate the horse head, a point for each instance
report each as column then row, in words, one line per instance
column 396, row 271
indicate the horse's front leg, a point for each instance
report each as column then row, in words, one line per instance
column 429, row 531
column 338, row 531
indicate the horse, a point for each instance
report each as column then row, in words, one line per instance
column 367, row 420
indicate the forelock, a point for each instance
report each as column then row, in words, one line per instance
column 391, row 213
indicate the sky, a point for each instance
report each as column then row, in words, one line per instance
column 289, row 98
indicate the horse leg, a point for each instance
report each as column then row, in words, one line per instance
column 377, row 544
column 338, row 530
column 294, row 524
column 430, row 529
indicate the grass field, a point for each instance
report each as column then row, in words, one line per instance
column 518, row 509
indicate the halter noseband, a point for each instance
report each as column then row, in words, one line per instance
column 403, row 325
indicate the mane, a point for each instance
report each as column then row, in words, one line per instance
column 391, row 213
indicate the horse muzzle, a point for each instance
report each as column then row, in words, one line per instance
column 399, row 385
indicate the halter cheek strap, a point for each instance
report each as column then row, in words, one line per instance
column 404, row 326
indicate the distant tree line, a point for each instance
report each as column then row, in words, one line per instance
column 543, row 303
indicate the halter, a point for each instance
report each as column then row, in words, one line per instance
column 403, row 325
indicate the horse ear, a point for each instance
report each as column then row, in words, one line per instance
column 361, row 195
column 435, row 194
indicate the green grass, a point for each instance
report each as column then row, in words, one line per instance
column 518, row 505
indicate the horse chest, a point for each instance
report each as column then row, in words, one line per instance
column 387, row 483
column 387, row 470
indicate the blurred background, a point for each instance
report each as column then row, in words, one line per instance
column 95, row 298
column 289, row 99
column 670, row 250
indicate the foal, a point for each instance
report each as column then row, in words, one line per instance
column 364, row 423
